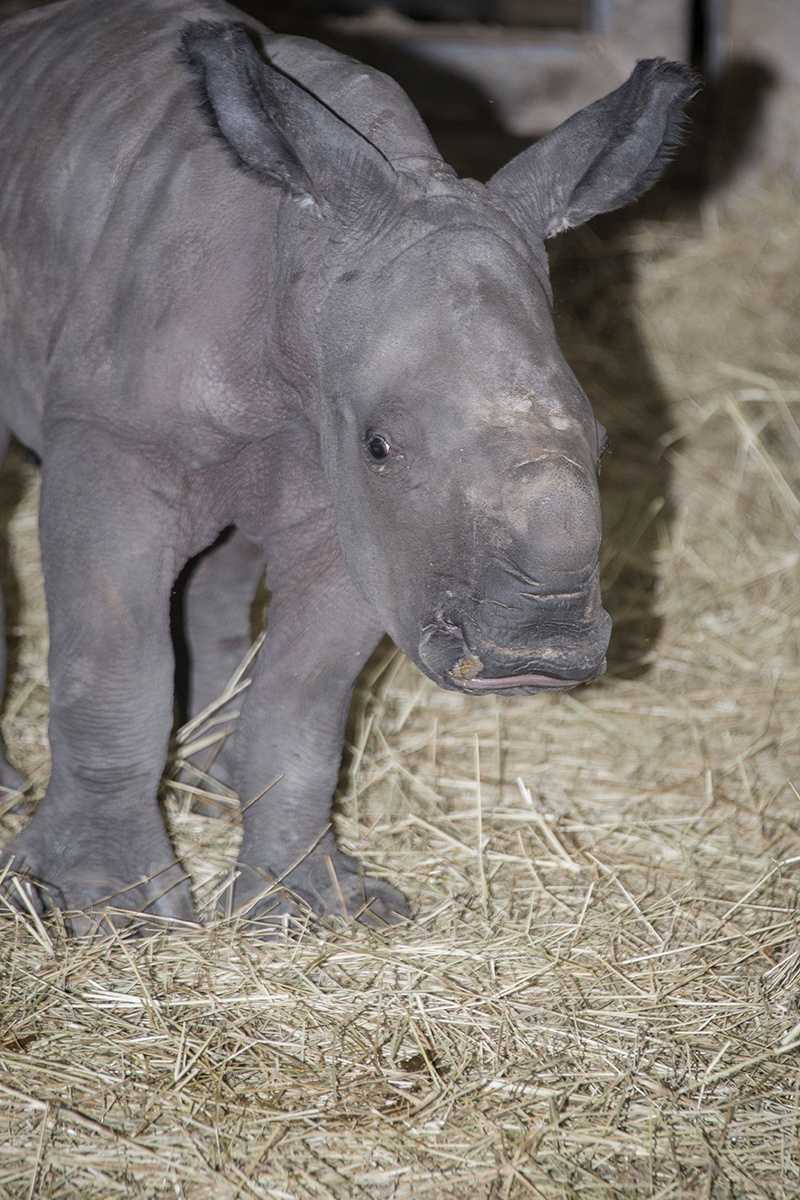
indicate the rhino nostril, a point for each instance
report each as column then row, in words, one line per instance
column 444, row 649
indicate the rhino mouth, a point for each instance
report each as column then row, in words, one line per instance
column 466, row 674
column 522, row 681
column 487, row 668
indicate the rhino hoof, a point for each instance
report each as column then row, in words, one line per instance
column 93, row 897
column 331, row 885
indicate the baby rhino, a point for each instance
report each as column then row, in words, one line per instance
column 239, row 287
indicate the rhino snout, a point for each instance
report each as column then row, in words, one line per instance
column 554, row 507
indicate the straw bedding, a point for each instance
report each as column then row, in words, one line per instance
column 599, row 993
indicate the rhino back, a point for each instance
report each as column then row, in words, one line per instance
column 128, row 236
column 95, row 117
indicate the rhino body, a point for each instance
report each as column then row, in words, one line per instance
column 240, row 290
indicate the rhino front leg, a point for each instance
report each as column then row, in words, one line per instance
column 288, row 744
column 111, row 550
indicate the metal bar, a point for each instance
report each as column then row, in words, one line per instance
column 717, row 31
column 599, row 17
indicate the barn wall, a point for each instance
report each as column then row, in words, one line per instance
column 765, row 38
column 755, row 103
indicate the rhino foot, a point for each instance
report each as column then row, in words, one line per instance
column 92, row 893
column 331, row 885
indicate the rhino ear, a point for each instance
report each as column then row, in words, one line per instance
column 280, row 131
column 604, row 156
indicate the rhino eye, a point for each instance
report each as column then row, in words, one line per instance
column 378, row 447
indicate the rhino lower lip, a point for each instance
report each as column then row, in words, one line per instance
column 511, row 681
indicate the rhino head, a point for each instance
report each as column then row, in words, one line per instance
column 460, row 451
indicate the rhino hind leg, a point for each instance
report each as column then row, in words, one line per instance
column 218, row 628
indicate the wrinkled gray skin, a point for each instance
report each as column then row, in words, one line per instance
column 223, row 272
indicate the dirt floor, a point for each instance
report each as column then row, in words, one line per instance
column 599, row 993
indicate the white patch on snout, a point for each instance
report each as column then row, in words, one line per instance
column 543, row 400
column 505, row 411
column 519, row 403
column 562, row 424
